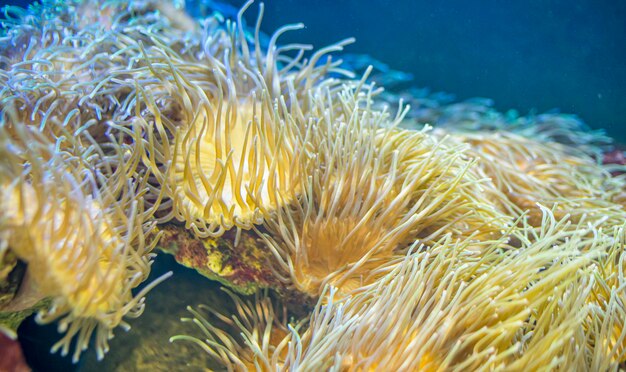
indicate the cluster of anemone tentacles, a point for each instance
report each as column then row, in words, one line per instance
column 424, row 249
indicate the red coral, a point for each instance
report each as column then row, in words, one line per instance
column 11, row 357
column 617, row 157
column 614, row 157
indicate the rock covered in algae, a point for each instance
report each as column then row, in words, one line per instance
column 18, row 298
column 239, row 266
column 10, row 276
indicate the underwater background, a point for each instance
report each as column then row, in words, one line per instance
column 532, row 54
column 525, row 55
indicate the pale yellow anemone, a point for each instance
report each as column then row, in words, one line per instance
column 261, row 322
column 369, row 192
column 233, row 165
column 84, row 244
column 471, row 205
column 453, row 308
column 222, row 132
column 530, row 172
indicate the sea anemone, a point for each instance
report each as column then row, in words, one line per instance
column 370, row 192
column 72, row 188
column 85, row 245
column 449, row 307
column 233, row 165
column 219, row 124
column 262, row 323
column 530, row 172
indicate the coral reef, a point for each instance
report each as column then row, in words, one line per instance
column 370, row 236
column 11, row 356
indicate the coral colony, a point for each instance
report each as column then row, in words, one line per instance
column 445, row 236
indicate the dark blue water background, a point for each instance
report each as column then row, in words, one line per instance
column 524, row 54
column 530, row 54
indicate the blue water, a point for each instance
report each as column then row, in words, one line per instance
column 526, row 55
column 530, row 54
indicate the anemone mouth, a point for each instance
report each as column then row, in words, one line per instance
column 233, row 166
column 334, row 246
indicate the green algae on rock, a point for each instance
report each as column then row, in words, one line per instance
column 11, row 273
column 242, row 267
